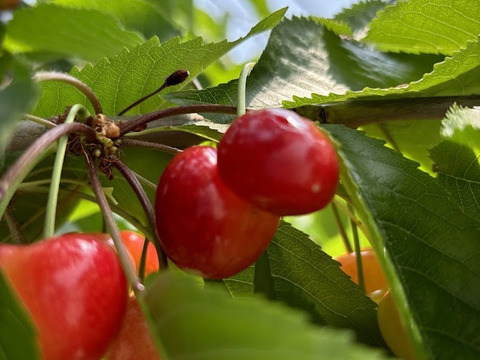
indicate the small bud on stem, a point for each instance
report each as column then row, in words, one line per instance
column 175, row 78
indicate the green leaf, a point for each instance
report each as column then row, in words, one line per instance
column 413, row 138
column 462, row 125
column 16, row 99
column 428, row 248
column 196, row 323
column 56, row 31
column 306, row 278
column 455, row 75
column 17, row 333
column 135, row 73
column 317, row 62
column 146, row 17
column 359, row 15
column 459, row 173
column 426, row 26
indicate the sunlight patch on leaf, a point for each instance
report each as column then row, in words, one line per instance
column 462, row 125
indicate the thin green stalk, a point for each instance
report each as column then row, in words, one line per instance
column 25, row 185
column 242, row 88
column 39, row 120
column 116, row 209
column 112, row 227
column 37, row 151
column 49, row 227
column 358, row 255
column 341, row 228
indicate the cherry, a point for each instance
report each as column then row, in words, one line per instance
column 392, row 329
column 279, row 161
column 374, row 279
column 135, row 340
column 133, row 241
column 203, row 226
column 74, row 289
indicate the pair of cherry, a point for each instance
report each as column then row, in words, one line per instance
column 218, row 209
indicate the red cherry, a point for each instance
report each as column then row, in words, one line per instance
column 279, row 161
column 374, row 278
column 392, row 329
column 203, row 226
column 75, row 291
column 135, row 340
column 134, row 243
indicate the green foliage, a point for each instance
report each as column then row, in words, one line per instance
column 135, row 73
column 15, row 99
column 412, row 172
column 317, row 62
column 459, row 173
column 305, row 277
column 425, row 243
column 17, row 333
column 147, row 18
column 462, row 125
column 53, row 32
column 196, row 323
column 454, row 24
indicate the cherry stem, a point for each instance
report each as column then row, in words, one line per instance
column 73, row 81
column 150, row 145
column 49, row 227
column 143, row 260
column 341, row 228
column 358, row 253
column 175, row 78
column 242, row 88
column 144, row 119
column 112, row 227
column 147, row 208
column 38, row 150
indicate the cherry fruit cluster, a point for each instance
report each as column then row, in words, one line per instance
column 217, row 210
column 75, row 292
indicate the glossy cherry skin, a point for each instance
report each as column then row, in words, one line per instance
column 75, row 291
column 392, row 329
column 135, row 340
column 203, row 226
column 374, row 278
column 279, row 161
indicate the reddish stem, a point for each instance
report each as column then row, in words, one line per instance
column 147, row 208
